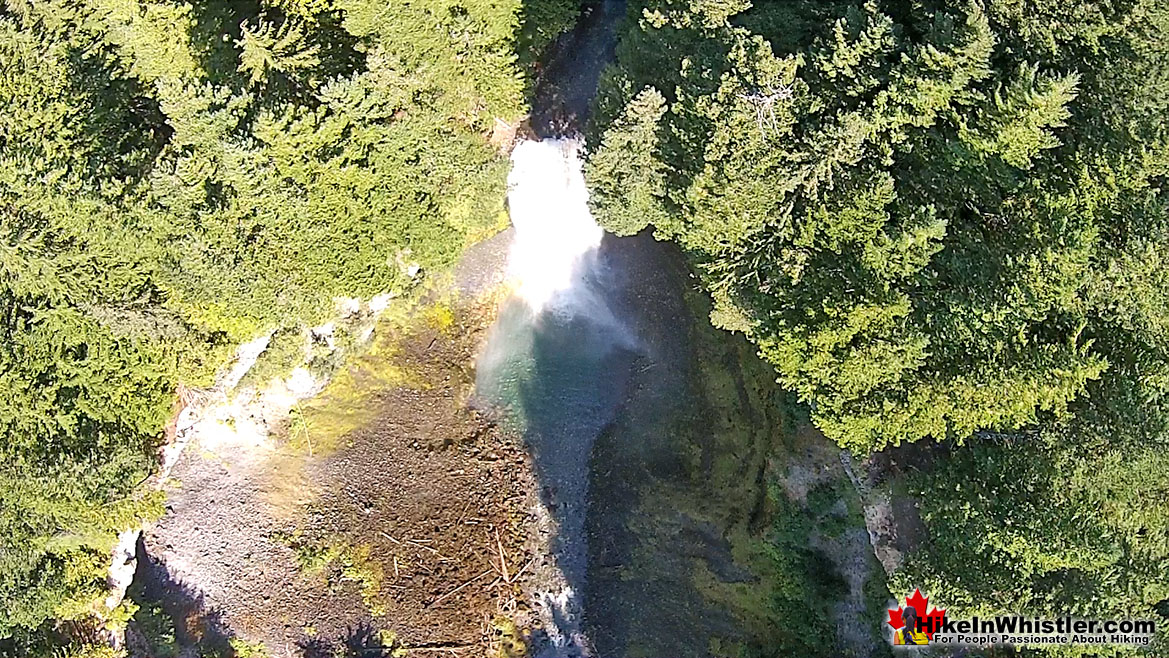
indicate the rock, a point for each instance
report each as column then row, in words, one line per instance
column 301, row 382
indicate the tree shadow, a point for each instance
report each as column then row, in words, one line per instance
column 173, row 617
column 122, row 111
column 542, row 23
column 559, row 374
column 173, row 620
column 360, row 641
column 218, row 28
column 602, row 389
column 214, row 33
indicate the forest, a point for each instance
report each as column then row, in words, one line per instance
column 945, row 224
column 176, row 178
column 940, row 222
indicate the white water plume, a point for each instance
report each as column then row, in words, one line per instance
column 554, row 231
column 549, row 362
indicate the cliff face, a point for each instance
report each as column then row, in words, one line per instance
column 717, row 514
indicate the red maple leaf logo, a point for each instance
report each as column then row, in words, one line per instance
column 930, row 621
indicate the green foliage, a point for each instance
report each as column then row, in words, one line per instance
column 541, row 22
column 829, row 509
column 266, row 50
column 915, row 212
column 91, row 651
column 157, row 630
column 1046, row 528
column 629, row 181
column 1074, row 520
column 339, row 561
column 245, row 649
column 286, row 350
column 178, row 177
column 806, row 585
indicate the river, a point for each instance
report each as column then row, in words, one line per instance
column 605, row 362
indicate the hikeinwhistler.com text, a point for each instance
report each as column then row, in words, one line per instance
column 1015, row 630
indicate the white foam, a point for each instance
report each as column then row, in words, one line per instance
column 554, row 230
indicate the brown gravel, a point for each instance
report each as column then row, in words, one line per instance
column 430, row 494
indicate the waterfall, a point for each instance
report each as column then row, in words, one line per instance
column 555, row 234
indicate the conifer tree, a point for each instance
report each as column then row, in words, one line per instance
column 940, row 221
column 178, row 177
